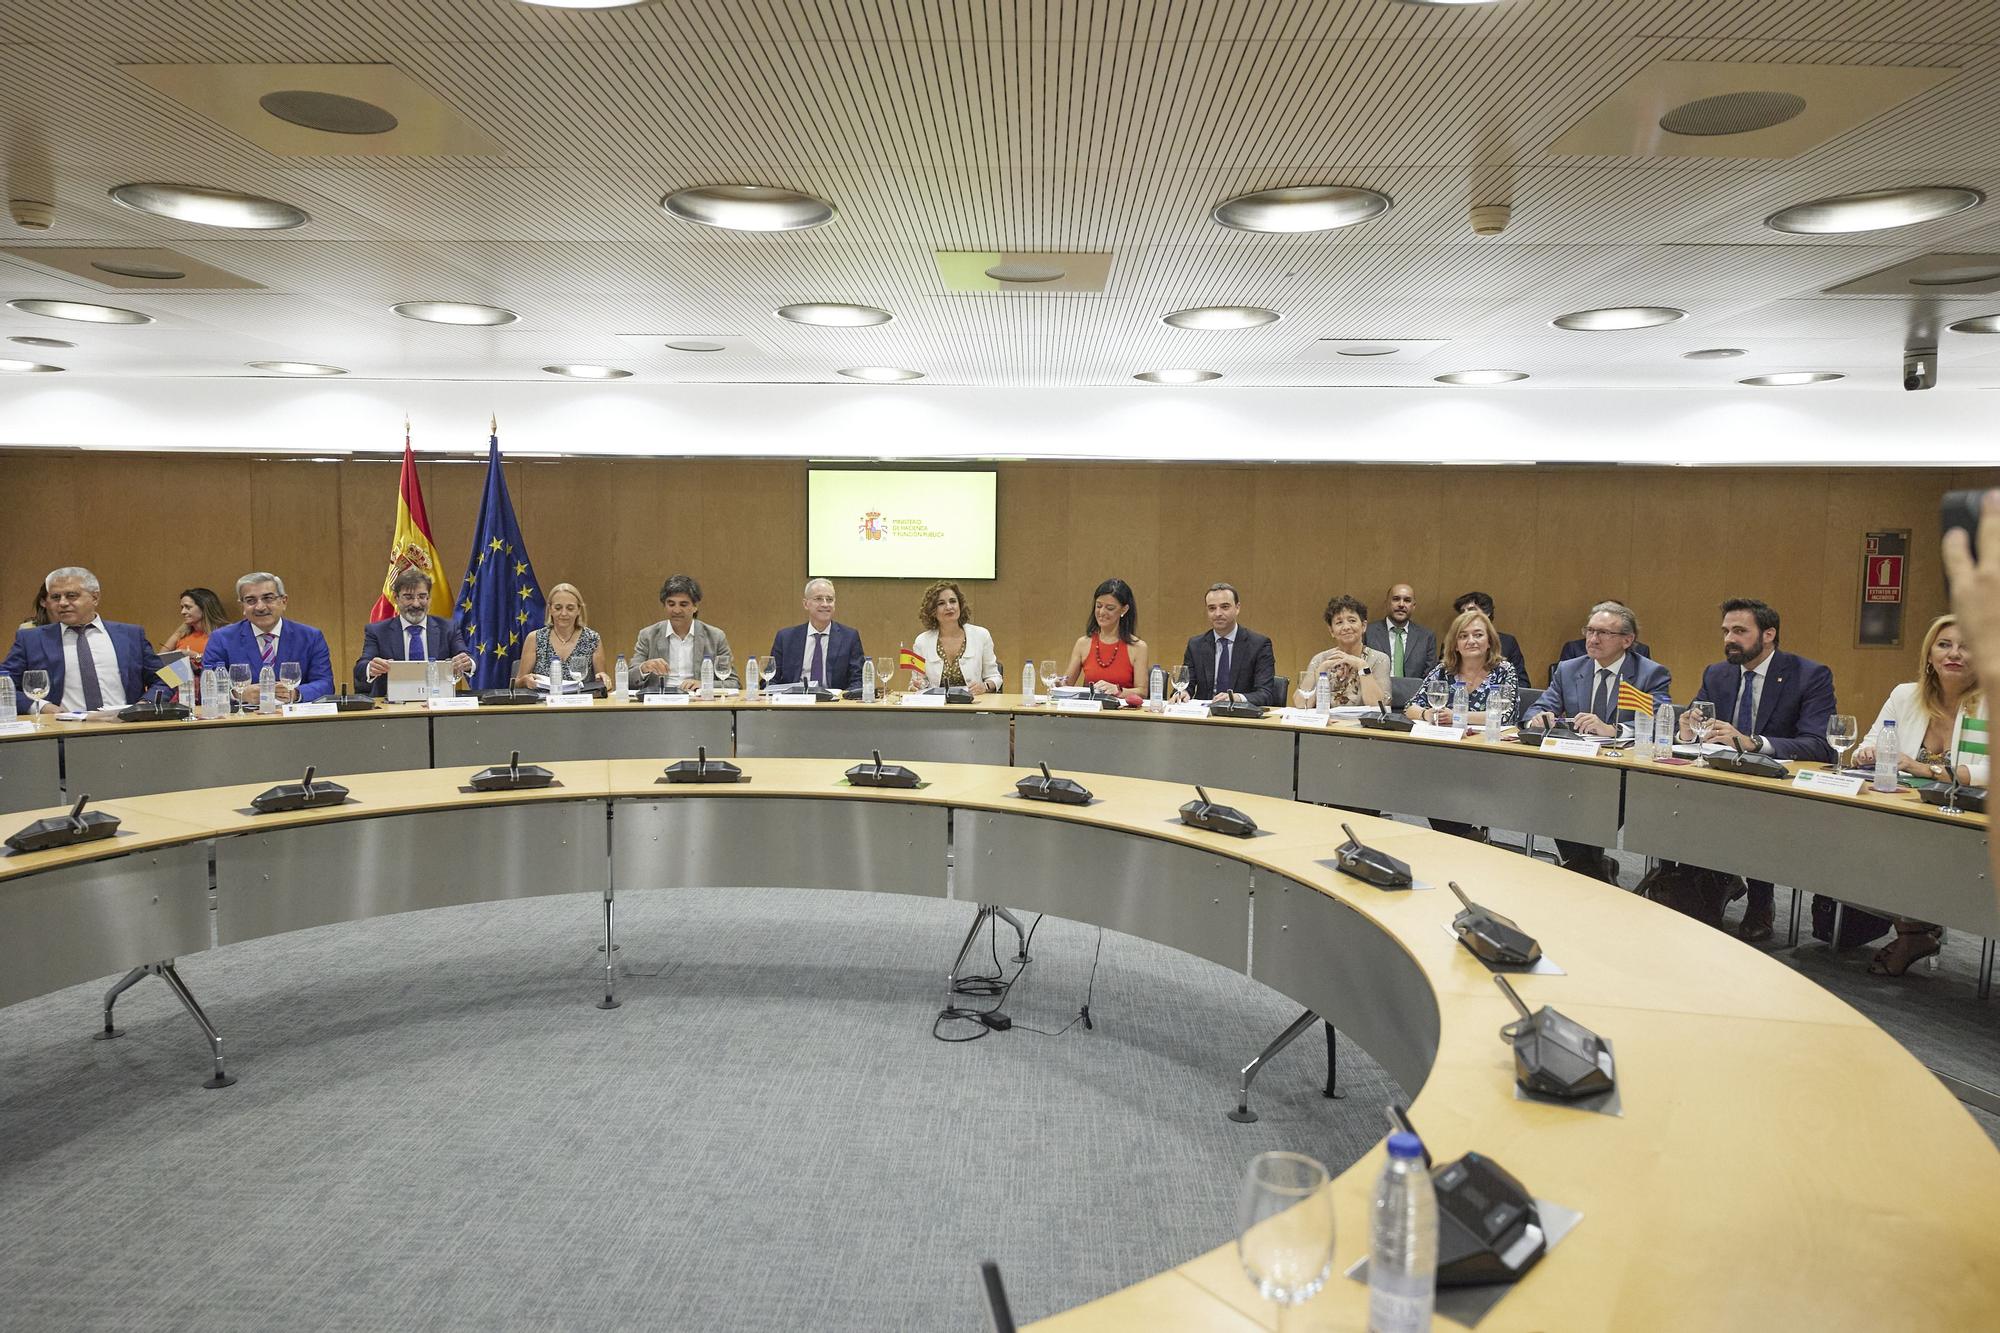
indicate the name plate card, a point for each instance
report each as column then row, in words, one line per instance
column 17, row 728
column 1833, row 784
column 318, row 708
column 1078, row 706
column 663, row 700
column 923, row 701
column 1431, row 731
column 1304, row 717
column 794, row 700
column 457, row 703
column 569, row 700
column 1192, row 708
column 1583, row 747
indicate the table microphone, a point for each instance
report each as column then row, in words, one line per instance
column 1370, row 866
column 63, row 830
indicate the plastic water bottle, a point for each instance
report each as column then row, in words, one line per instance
column 751, row 676
column 437, row 683
column 1156, row 689
column 1028, row 682
column 1402, row 1266
column 1663, row 732
column 9, row 709
column 1323, row 692
column 555, row 678
column 1459, row 704
column 621, row 678
column 707, row 677
column 267, row 691
column 868, row 680
column 1887, row 751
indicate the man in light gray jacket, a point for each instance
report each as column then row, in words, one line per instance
column 672, row 650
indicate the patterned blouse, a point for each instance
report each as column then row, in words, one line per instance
column 578, row 665
column 1502, row 676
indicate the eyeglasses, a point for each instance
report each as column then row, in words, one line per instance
column 263, row 599
column 1590, row 633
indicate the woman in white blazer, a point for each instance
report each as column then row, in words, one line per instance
column 1941, row 733
column 955, row 651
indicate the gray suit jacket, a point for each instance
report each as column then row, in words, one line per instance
column 1420, row 646
column 708, row 642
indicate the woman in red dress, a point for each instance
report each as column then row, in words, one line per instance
column 1110, row 657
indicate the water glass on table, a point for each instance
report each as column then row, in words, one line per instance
column 1048, row 679
column 289, row 674
column 239, row 684
column 1841, row 733
column 1436, row 694
column 1700, row 716
column 1285, row 1228
column 35, row 684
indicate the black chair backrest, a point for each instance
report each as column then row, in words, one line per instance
column 1403, row 689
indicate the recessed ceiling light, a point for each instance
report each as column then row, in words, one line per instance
column 330, row 113
column 882, row 374
column 28, row 340
column 81, row 311
column 1442, row 4
column 1026, row 270
column 1619, row 317
column 584, row 4
column 1958, row 275
column 1481, row 377
column 24, row 367
column 1790, row 377
column 155, row 272
column 1221, row 317
column 1301, row 208
column 454, row 312
column 1181, row 376
column 748, row 207
column 210, row 208
column 579, row 372
column 1369, row 349
column 1977, row 324
column 833, row 314
column 1713, row 353
column 1874, row 210
column 295, row 368
column 693, row 345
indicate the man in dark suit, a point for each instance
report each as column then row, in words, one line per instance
column 1773, row 702
column 411, row 635
column 1411, row 649
column 1585, row 690
column 1510, row 648
column 822, row 649
column 1230, row 662
column 93, row 663
column 264, row 638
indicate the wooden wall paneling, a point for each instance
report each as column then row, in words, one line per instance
column 295, row 533
column 1583, row 532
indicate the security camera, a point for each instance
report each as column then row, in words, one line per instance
column 1920, row 368
column 31, row 214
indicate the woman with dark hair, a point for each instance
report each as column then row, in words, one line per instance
column 41, row 616
column 1111, row 658
column 1360, row 674
column 954, row 651
column 201, row 615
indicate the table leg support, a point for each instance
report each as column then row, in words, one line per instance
column 1243, row 1115
column 610, row 1000
column 167, row 972
column 111, row 997
column 1332, row 1088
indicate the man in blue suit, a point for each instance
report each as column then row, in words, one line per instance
column 1773, row 702
column 1585, row 690
column 411, row 635
column 822, row 649
column 93, row 663
column 1231, row 662
column 264, row 638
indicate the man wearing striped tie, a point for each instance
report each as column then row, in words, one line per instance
column 264, row 638
column 1601, row 693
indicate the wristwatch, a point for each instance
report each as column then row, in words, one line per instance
column 1367, row 671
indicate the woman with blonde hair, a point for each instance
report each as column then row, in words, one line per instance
column 1472, row 657
column 955, row 651
column 566, row 638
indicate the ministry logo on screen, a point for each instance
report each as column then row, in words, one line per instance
column 874, row 526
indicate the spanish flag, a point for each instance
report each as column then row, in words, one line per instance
column 411, row 547
column 1632, row 697
column 909, row 659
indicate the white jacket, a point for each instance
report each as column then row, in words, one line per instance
column 977, row 664
column 1911, row 723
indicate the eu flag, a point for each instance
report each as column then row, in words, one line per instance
column 500, row 603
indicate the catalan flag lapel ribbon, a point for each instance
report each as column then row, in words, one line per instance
column 1632, row 697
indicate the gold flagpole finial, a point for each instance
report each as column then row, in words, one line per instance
column 493, row 426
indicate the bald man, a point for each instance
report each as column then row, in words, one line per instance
column 1411, row 649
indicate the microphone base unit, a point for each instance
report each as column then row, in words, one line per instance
column 887, row 775
column 502, row 778
column 1236, row 710
column 1218, row 819
column 64, row 831
column 1749, row 765
column 1057, row 791
column 288, row 796
column 1387, row 722
column 693, row 770
column 151, row 711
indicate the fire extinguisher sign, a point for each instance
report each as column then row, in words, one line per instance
column 1884, row 556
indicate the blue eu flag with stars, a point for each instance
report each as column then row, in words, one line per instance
column 500, row 603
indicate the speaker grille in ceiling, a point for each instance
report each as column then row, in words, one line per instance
column 1732, row 113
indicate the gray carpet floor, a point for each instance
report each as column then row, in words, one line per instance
column 435, row 1129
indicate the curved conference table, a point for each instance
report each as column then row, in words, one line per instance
column 1774, row 1145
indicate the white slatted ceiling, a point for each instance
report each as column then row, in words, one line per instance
column 956, row 124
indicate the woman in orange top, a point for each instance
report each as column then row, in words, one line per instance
column 201, row 615
column 1110, row 657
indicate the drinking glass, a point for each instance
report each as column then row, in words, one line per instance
column 1841, row 732
column 1048, row 678
column 35, row 684
column 1178, row 678
column 768, row 670
column 288, row 676
column 1437, row 692
column 1700, row 714
column 239, row 683
column 1284, row 1220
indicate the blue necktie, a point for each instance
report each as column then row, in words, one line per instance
column 416, row 653
column 86, row 670
column 819, row 658
column 1746, row 715
column 1222, row 677
column 1601, row 706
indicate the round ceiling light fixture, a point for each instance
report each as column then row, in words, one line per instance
column 1446, row 4
column 1178, row 376
column 11, row 367
column 1977, row 324
column 1713, row 353
column 1874, row 210
column 583, row 372
column 150, row 272
column 1732, row 113
column 330, row 113
column 455, row 312
column 882, row 374
column 584, row 4
column 747, row 207
column 295, row 368
column 1481, row 376
column 1369, row 349
column 1025, row 271
column 834, row 314
column 83, row 312
column 210, row 208
column 29, row 340
column 692, row 345
column 1956, row 275
column 1787, row 378
column 1618, row 317
column 1300, row 208
column 1221, row 317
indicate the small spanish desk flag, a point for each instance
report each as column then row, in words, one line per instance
column 909, row 659
column 1632, row 697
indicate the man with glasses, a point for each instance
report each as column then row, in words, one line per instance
column 1585, row 690
column 264, row 638
column 411, row 635
column 92, row 663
